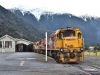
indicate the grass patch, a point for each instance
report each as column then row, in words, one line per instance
column 92, row 53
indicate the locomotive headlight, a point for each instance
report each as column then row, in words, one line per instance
column 81, row 49
column 61, row 50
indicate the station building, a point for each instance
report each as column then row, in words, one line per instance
column 10, row 44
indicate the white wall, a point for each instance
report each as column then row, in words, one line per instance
column 12, row 49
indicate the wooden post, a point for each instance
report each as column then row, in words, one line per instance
column 96, row 52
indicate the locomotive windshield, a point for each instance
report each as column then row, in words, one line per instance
column 68, row 33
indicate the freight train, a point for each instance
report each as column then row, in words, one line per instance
column 64, row 45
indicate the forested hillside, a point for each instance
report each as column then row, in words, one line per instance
column 16, row 27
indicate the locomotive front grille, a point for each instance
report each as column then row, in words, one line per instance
column 72, row 55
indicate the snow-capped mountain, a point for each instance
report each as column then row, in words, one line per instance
column 36, row 12
column 89, row 25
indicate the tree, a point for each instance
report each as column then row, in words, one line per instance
column 86, row 47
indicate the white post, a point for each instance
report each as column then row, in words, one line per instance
column 2, row 47
column 46, row 45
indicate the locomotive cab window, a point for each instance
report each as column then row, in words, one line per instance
column 79, row 35
column 68, row 33
column 59, row 36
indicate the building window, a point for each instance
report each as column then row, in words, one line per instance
column 8, row 44
column 0, row 44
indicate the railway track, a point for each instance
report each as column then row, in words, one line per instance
column 87, row 69
column 83, row 68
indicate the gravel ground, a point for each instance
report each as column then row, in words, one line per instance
column 92, row 60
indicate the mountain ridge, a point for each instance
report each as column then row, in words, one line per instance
column 38, row 12
column 89, row 27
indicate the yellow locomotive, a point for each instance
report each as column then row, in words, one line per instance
column 65, row 45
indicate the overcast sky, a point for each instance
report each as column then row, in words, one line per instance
column 75, row 7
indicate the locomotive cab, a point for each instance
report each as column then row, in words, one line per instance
column 65, row 38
